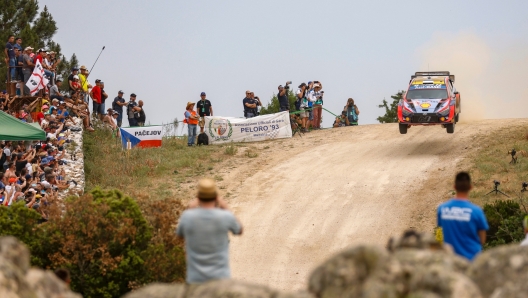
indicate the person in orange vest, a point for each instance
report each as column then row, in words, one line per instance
column 191, row 118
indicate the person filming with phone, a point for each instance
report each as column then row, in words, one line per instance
column 205, row 227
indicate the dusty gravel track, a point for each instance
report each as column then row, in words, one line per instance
column 303, row 199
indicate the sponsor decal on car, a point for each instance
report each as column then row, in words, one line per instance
column 428, row 86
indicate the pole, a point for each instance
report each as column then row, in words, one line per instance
column 97, row 59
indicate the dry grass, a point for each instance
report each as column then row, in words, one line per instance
column 492, row 162
column 155, row 173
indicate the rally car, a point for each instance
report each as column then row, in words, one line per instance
column 431, row 99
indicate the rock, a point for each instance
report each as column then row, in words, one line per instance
column 159, row 290
column 510, row 290
column 46, row 285
column 13, row 283
column 229, row 288
column 501, row 270
column 15, row 252
column 438, row 281
column 411, row 258
column 360, row 271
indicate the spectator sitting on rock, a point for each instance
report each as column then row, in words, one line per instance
column 205, row 227
column 341, row 121
column 352, row 112
column 74, row 72
column 110, row 119
column 463, row 224
column 525, row 227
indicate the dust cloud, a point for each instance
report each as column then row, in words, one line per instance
column 491, row 79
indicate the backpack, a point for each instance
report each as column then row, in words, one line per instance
column 203, row 139
column 351, row 114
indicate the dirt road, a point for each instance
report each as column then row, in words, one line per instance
column 303, row 199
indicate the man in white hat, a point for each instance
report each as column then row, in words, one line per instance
column 205, row 227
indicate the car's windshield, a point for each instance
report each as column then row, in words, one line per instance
column 426, row 94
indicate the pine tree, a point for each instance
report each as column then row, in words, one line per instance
column 22, row 18
column 391, row 113
column 274, row 107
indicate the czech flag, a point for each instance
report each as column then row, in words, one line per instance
column 141, row 136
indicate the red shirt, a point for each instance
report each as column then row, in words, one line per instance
column 40, row 116
column 38, row 58
column 96, row 94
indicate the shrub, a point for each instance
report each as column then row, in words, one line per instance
column 505, row 222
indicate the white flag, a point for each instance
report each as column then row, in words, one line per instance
column 37, row 80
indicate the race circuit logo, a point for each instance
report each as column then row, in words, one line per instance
column 218, row 129
column 221, row 126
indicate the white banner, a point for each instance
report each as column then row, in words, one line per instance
column 141, row 136
column 261, row 128
column 37, row 80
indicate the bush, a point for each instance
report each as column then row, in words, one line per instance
column 105, row 241
column 505, row 222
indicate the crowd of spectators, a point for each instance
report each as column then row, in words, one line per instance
column 308, row 106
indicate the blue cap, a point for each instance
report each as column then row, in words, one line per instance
column 202, row 94
column 309, row 82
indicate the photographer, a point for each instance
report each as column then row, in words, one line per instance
column 352, row 112
column 317, row 105
column 282, row 96
column 301, row 104
column 130, row 111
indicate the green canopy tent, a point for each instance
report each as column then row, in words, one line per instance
column 12, row 129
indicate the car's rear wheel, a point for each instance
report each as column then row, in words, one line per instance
column 450, row 128
column 403, row 128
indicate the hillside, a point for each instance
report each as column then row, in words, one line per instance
column 303, row 199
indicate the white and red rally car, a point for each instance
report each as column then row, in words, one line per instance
column 431, row 99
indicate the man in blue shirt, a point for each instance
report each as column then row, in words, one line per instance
column 463, row 224
column 10, row 56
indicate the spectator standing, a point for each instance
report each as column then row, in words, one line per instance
column 204, row 108
column 282, row 96
column 205, row 227
column 18, row 44
column 19, row 75
column 317, row 105
column 10, row 57
column 95, row 94
column 249, row 106
column 117, row 105
column 130, row 110
column 256, row 100
column 352, row 112
column 85, row 85
column 191, row 118
column 525, row 227
column 302, row 104
column 140, row 113
column 74, row 72
column 27, row 68
column 7, row 154
column 463, row 224
column 104, row 96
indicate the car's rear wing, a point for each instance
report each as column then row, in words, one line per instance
column 434, row 74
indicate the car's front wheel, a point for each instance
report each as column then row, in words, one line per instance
column 450, row 128
column 403, row 128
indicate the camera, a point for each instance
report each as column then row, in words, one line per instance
column 287, row 85
column 497, row 183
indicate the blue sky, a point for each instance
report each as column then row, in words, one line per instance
column 167, row 52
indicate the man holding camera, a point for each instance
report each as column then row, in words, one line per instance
column 205, row 227
column 282, row 96
column 131, row 109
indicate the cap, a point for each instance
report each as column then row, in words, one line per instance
column 45, row 107
column 58, row 80
column 38, row 196
column 97, row 81
column 83, row 67
column 309, row 82
column 46, row 184
column 133, row 95
column 115, row 113
column 76, row 77
column 202, row 94
column 207, row 189
column 28, row 48
column 74, row 68
column 280, row 86
column 121, row 91
column 61, row 103
column 32, row 190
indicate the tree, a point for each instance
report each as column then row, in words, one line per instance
column 22, row 18
column 505, row 222
column 391, row 113
column 274, row 107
